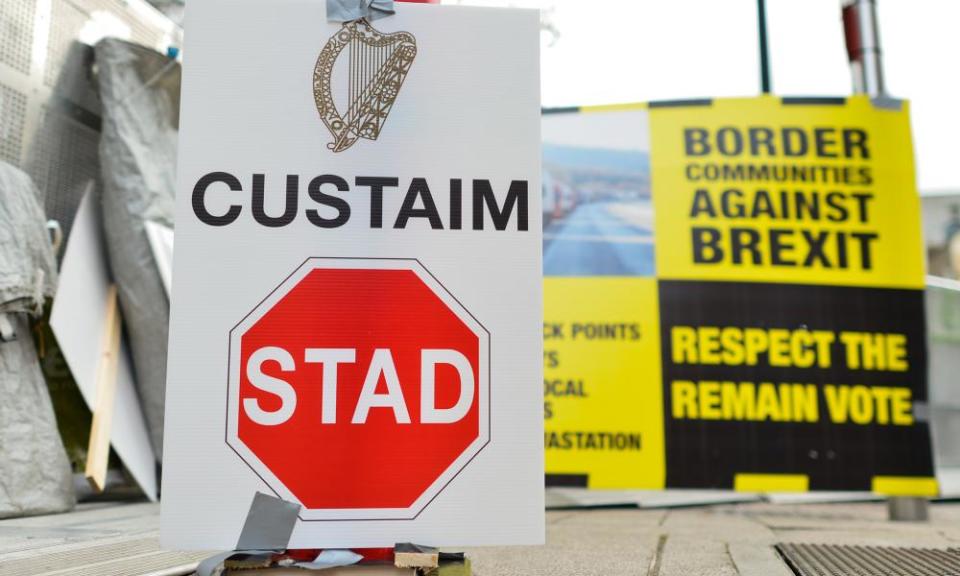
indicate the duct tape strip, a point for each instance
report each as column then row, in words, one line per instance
column 347, row 10
column 887, row 103
column 266, row 530
column 269, row 524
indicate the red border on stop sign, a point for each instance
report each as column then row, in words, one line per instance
column 316, row 462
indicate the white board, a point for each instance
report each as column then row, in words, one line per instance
column 467, row 110
column 161, row 245
column 78, row 320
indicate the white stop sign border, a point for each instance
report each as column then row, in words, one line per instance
column 233, row 385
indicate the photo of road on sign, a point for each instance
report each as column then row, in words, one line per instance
column 602, row 414
column 597, row 207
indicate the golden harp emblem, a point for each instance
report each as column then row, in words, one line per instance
column 375, row 67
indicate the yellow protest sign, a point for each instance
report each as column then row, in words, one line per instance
column 734, row 297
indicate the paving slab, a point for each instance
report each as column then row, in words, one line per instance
column 757, row 560
column 722, row 540
column 568, row 498
column 587, row 543
column 692, row 555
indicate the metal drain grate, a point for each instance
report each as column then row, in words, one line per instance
column 830, row 560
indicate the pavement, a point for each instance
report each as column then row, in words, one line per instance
column 718, row 540
column 601, row 239
column 727, row 539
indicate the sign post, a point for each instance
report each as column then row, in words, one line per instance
column 357, row 289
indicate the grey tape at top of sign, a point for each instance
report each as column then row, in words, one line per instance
column 347, row 10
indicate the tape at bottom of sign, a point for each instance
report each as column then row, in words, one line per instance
column 266, row 530
column 269, row 524
column 771, row 482
column 904, row 486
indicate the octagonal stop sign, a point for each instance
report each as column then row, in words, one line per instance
column 358, row 388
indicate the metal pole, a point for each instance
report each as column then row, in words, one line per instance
column 764, row 51
column 862, row 37
column 908, row 509
column 863, row 47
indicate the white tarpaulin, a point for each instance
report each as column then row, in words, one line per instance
column 35, row 475
column 358, row 210
column 139, row 90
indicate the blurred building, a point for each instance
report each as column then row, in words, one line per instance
column 49, row 110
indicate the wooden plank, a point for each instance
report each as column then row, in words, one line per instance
column 98, row 453
column 409, row 555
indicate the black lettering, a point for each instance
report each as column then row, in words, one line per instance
column 516, row 196
column 779, row 245
column 702, row 203
column 794, row 142
column 695, row 141
column 815, row 245
column 761, row 137
column 200, row 194
column 840, row 213
column 289, row 210
column 456, row 204
column 706, row 245
column 841, row 250
column 865, row 238
column 734, row 172
column 808, row 207
column 763, row 205
column 376, row 184
column 736, row 209
column 745, row 240
column 729, row 141
column 755, row 172
column 418, row 189
column 855, row 140
column 862, row 199
column 826, row 142
column 785, row 205
column 335, row 202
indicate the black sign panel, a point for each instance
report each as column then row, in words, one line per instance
column 819, row 381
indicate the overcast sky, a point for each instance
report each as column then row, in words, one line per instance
column 636, row 50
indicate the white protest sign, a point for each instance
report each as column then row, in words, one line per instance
column 357, row 311
column 79, row 320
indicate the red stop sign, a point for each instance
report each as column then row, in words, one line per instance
column 359, row 388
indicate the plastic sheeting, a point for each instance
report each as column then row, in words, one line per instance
column 139, row 89
column 35, row 476
column 27, row 269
